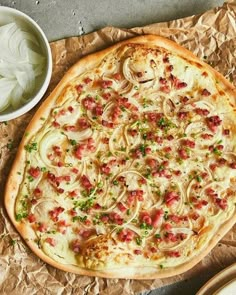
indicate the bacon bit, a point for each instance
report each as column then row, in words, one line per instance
column 145, row 218
column 75, row 246
column 153, row 117
column 73, row 212
column 183, row 154
column 116, row 218
column 153, row 250
column 107, row 124
column 52, row 242
column 182, row 115
column 206, row 136
column 55, row 213
column 60, row 164
column 106, row 96
column 75, row 170
column 202, row 112
column 37, row 192
column 62, row 112
column 70, row 128
column 87, row 80
column 126, row 235
column 98, row 110
column 139, row 74
column 148, row 150
column 165, row 89
column 204, row 74
column 142, row 181
column 137, row 252
column 79, row 88
column 226, row 132
column 200, row 204
column 74, row 193
column 116, row 113
column 156, row 217
column 152, row 163
column 83, row 124
column 31, row 218
column 213, row 122
column 222, row 161
column 91, row 144
column 209, row 192
column 167, row 226
column 121, row 207
column 78, row 151
column 222, row 203
column 105, row 169
column 132, row 132
column 105, row 140
column 233, row 165
column 104, row 218
column 117, row 76
column 106, row 83
column 34, row 201
column 188, row 143
column 34, row 172
column 184, row 99
column 170, row 237
column 171, row 198
column 173, row 254
column 85, row 182
column 181, row 85
column 177, row 172
column 89, row 103
column 169, row 68
column 130, row 199
column 205, row 92
column 138, row 194
column 70, row 109
column 166, row 59
column 181, row 236
column 57, row 150
column 97, row 206
column 167, row 149
column 194, row 215
column 121, row 179
column 163, row 81
column 174, row 218
column 56, row 124
column 170, row 137
column 213, row 166
column 67, row 178
column 42, row 227
column 204, row 175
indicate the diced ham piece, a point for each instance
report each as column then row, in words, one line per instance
column 106, row 83
column 205, row 92
column 88, row 103
column 83, row 123
column 126, row 235
column 52, row 242
column 173, row 254
column 188, row 143
column 213, row 122
column 31, row 218
column 171, row 198
column 183, row 154
column 34, row 172
column 202, row 112
column 75, row 246
column 157, row 217
column 85, row 182
column 145, row 218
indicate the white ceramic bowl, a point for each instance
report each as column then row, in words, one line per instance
column 8, row 15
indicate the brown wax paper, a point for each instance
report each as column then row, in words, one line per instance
column 212, row 37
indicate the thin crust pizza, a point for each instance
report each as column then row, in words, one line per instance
column 128, row 169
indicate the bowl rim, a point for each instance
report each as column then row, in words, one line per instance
column 38, row 96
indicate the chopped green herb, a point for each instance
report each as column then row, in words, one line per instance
column 43, row 169
column 12, row 242
column 139, row 241
column 73, row 142
column 115, row 182
column 145, row 226
column 198, row 178
column 31, row 147
column 21, row 216
column 80, row 218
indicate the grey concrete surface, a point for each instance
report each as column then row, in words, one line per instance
column 63, row 18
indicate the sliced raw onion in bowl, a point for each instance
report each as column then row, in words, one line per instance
column 25, row 63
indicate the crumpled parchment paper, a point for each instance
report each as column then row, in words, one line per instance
column 212, row 37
